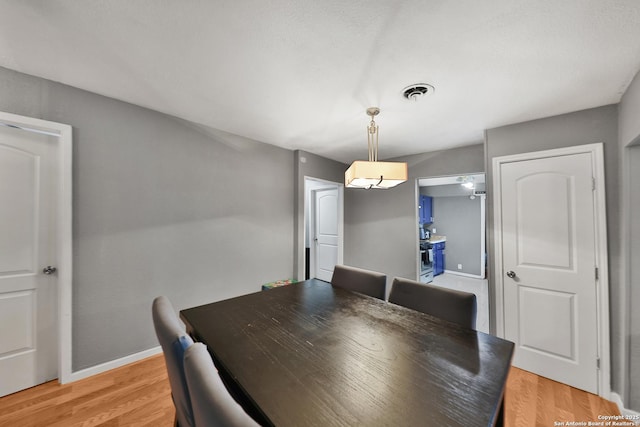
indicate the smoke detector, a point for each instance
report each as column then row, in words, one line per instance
column 417, row 91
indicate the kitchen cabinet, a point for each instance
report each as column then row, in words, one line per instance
column 425, row 209
column 438, row 258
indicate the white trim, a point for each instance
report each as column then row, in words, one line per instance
column 624, row 299
column 308, row 189
column 497, row 246
column 416, row 198
column 600, row 208
column 483, row 235
column 452, row 179
column 107, row 366
column 63, row 133
column 615, row 398
column 597, row 156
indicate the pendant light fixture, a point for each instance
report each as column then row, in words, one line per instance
column 372, row 173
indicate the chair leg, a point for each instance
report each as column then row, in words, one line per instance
column 175, row 416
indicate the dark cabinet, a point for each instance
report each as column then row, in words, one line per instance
column 425, row 209
column 438, row 258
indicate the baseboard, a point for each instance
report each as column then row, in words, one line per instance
column 457, row 273
column 103, row 367
column 632, row 415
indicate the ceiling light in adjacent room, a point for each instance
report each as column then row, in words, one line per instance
column 467, row 182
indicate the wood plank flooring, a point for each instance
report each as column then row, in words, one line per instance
column 534, row 401
column 134, row 395
column 139, row 395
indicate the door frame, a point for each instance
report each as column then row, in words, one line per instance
column 63, row 136
column 602, row 282
column 434, row 181
column 310, row 185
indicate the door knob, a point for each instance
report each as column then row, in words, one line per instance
column 49, row 270
column 511, row 274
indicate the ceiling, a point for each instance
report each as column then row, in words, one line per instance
column 300, row 73
column 451, row 180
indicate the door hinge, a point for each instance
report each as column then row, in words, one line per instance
column 596, row 271
column 598, row 363
column 593, row 183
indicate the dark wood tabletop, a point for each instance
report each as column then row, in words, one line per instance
column 309, row 354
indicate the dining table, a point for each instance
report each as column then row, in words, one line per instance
column 312, row 354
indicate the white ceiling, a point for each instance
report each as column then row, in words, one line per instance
column 451, row 180
column 300, row 73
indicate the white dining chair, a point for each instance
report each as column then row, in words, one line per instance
column 174, row 341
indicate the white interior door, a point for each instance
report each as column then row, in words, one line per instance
column 549, row 262
column 327, row 231
column 28, row 297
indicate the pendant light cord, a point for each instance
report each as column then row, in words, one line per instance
column 372, row 140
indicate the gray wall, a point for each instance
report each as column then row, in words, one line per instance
column 161, row 206
column 458, row 218
column 381, row 225
column 311, row 166
column 629, row 143
column 582, row 127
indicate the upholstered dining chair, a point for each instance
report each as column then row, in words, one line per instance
column 355, row 279
column 174, row 341
column 448, row 304
column 212, row 404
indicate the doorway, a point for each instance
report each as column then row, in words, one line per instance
column 452, row 236
column 35, row 255
column 551, row 264
column 458, row 215
column 324, row 227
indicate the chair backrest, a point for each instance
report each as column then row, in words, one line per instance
column 359, row 280
column 212, row 403
column 174, row 341
column 448, row 304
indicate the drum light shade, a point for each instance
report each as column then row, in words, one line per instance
column 372, row 173
column 363, row 174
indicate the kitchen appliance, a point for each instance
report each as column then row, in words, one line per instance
column 424, row 233
column 426, row 262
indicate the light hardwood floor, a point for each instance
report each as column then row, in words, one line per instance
column 134, row 395
column 139, row 395
column 531, row 400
